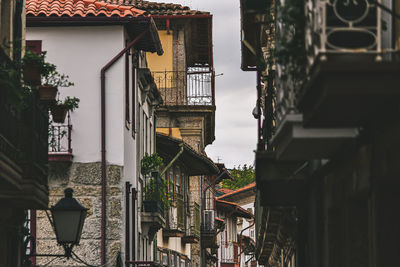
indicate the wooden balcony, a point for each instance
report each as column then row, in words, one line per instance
column 352, row 67
column 23, row 143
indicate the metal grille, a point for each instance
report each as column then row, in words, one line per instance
column 60, row 138
column 192, row 87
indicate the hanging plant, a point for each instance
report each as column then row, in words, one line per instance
column 60, row 109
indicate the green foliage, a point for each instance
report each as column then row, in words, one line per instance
column 243, row 176
column 69, row 103
column 48, row 71
column 54, row 78
column 157, row 190
column 150, row 163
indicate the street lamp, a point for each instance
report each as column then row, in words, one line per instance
column 68, row 219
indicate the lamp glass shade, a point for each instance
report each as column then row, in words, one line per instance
column 68, row 218
column 68, row 225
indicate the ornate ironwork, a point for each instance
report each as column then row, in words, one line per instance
column 192, row 87
column 342, row 26
column 60, row 138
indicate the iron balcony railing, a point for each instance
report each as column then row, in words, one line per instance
column 60, row 138
column 344, row 26
column 154, row 196
column 193, row 222
column 229, row 252
column 346, row 29
column 189, row 88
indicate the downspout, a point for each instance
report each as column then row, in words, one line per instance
column 240, row 237
column 173, row 160
column 103, row 142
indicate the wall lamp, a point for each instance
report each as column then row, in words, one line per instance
column 68, row 219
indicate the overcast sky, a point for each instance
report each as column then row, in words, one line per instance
column 235, row 89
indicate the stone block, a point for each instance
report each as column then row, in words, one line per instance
column 114, row 229
column 92, row 229
column 114, row 207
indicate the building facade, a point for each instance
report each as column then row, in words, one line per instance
column 185, row 77
column 97, row 152
column 325, row 165
column 246, row 228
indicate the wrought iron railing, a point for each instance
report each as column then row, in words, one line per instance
column 60, row 138
column 193, row 222
column 192, row 87
column 154, row 196
column 344, row 28
column 229, row 252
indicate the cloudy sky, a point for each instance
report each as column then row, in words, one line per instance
column 235, row 90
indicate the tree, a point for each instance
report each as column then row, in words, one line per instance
column 243, row 176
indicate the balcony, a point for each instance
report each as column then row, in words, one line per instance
column 290, row 139
column 229, row 254
column 23, row 142
column 175, row 219
column 194, row 87
column 192, row 234
column 153, row 213
column 352, row 67
column 60, row 148
column 208, row 230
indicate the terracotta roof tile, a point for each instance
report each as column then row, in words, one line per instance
column 81, row 8
column 244, row 188
column 158, row 8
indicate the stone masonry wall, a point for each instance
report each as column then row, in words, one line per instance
column 85, row 180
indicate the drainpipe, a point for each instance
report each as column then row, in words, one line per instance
column 173, row 160
column 103, row 142
column 240, row 238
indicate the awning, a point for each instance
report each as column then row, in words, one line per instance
column 196, row 163
column 234, row 208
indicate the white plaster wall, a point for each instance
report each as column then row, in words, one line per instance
column 81, row 52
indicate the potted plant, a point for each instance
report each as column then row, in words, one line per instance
column 32, row 67
column 51, row 80
column 60, row 109
column 156, row 196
